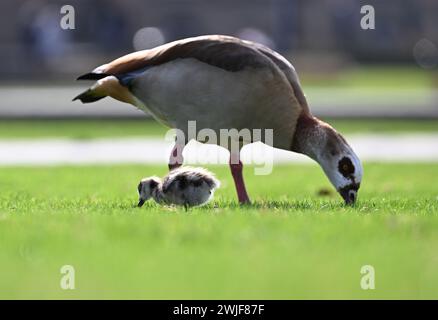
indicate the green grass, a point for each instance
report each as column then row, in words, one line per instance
column 291, row 243
column 88, row 129
column 356, row 126
column 399, row 77
column 79, row 129
column 397, row 87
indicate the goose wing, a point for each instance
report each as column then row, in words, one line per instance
column 228, row 53
column 288, row 70
column 225, row 52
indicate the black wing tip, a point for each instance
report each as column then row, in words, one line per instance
column 88, row 97
column 92, row 76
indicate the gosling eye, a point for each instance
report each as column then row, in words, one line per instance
column 346, row 167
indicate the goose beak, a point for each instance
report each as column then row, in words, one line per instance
column 141, row 203
column 349, row 196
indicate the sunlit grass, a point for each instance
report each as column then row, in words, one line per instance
column 382, row 77
column 290, row 243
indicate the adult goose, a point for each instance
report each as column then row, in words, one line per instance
column 223, row 82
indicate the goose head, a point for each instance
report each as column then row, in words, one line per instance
column 146, row 189
column 344, row 170
column 329, row 148
column 340, row 164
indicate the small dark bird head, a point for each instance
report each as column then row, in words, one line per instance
column 145, row 188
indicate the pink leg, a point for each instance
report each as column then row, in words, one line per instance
column 236, row 167
column 176, row 158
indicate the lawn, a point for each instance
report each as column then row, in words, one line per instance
column 88, row 129
column 387, row 77
column 291, row 243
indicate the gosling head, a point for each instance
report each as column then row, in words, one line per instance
column 146, row 189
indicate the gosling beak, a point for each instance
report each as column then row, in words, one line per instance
column 349, row 195
column 141, row 203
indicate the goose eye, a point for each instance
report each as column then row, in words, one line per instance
column 139, row 187
column 346, row 167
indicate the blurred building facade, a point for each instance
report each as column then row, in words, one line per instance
column 34, row 46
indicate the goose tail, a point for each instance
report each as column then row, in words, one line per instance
column 89, row 95
column 106, row 85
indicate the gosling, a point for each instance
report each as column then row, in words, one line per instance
column 184, row 186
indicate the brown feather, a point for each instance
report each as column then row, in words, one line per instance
column 224, row 52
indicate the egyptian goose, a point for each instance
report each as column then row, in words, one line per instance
column 185, row 186
column 223, row 82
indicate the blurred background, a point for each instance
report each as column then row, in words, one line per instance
column 387, row 75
